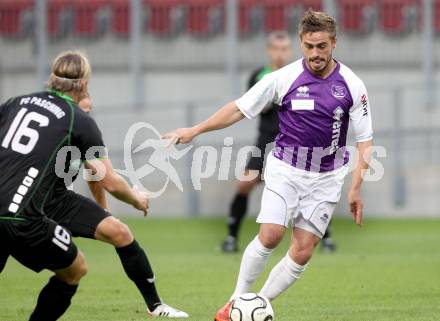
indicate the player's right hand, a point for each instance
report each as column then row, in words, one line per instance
column 356, row 205
column 180, row 135
column 141, row 200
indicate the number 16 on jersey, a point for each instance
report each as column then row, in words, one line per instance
column 20, row 129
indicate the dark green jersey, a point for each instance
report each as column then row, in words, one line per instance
column 269, row 118
column 33, row 129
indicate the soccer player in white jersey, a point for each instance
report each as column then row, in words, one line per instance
column 318, row 97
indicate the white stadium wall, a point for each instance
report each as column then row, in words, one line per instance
column 199, row 81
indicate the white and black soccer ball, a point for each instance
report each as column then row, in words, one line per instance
column 251, row 307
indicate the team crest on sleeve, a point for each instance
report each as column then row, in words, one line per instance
column 339, row 92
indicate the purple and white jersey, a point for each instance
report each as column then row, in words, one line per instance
column 314, row 114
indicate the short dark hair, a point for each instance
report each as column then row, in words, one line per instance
column 314, row 21
column 277, row 35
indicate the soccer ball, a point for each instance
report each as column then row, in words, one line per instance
column 251, row 307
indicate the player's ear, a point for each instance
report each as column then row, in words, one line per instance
column 84, row 85
column 84, row 92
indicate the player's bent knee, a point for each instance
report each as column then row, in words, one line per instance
column 301, row 255
column 124, row 236
column 81, row 268
column 271, row 235
column 75, row 272
column 270, row 242
column 113, row 231
column 81, row 272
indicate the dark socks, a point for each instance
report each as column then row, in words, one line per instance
column 138, row 269
column 237, row 212
column 53, row 301
column 328, row 233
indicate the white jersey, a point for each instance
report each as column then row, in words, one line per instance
column 314, row 114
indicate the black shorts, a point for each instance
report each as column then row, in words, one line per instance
column 3, row 257
column 79, row 214
column 37, row 243
column 263, row 139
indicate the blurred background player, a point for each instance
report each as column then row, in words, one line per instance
column 279, row 52
column 318, row 97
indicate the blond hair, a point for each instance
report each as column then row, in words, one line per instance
column 70, row 70
column 315, row 21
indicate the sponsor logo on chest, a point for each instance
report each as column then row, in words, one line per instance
column 302, row 91
column 302, row 104
column 336, row 129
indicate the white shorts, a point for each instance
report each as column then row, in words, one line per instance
column 299, row 198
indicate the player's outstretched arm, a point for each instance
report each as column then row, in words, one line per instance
column 363, row 154
column 224, row 117
column 98, row 193
column 113, row 183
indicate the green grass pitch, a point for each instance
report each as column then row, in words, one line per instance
column 388, row 270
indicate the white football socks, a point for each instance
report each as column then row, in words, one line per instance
column 252, row 265
column 282, row 276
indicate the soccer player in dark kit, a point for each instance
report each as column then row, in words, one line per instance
column 33, row 128
column 55, row 122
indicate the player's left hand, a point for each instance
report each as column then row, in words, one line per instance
column 355, row 201
column 141, row 200
column 180, row 135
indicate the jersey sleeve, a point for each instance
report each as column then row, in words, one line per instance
column 89, row 139
column 360, row 115
column 253, row 78
column 3, row 107
column 259, row 97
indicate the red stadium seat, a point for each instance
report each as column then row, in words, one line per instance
column 285, row 14
column 87, row 18
column 397, row 16
column 317, row 5
column 120, row 17
column 204, row 17
column 276, row 14
column 163, row 16
column 355, row 15
column 59, row 17
column 437, row 16
column 250, row 16
column 15, row 16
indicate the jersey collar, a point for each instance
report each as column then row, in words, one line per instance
column 61, row 95
column 330, row 76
